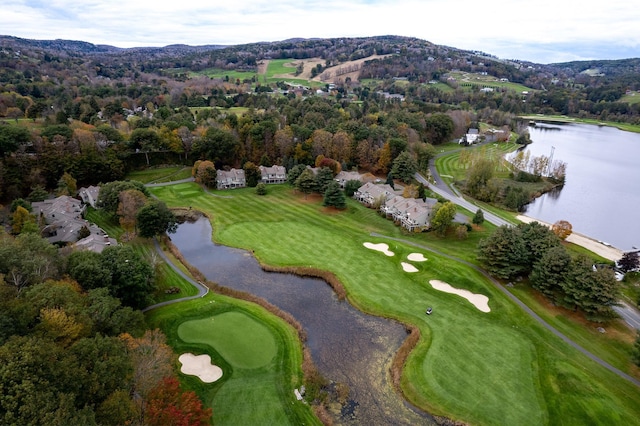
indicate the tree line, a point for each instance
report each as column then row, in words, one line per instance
column 74, row 348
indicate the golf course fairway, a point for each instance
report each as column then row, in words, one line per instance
column 484, row 368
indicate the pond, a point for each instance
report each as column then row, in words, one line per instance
column 601, row 196
column 346, row 345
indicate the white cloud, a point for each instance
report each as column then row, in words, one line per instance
column 508, row 29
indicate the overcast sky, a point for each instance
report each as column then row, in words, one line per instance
column 543, row 31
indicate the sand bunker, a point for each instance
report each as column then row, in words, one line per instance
column 200, row 365
column 407, row 267
column 478, row 300
column 416, row 257
column 382, row 247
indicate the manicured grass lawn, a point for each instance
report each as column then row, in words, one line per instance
column 241, row 340
column 482, row 368
column 260, row 356
column 160, row 174
column 280, row 66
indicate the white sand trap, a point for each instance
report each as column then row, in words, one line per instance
column 416, row 257
column 480, row 301
column 200, row 365
column 407, row 267
column 382, row 247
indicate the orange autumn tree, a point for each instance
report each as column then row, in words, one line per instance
column 167, row 404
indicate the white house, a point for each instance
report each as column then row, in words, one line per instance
column 227, row 179
column 273, row 174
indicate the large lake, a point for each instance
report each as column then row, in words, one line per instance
column 601, row 197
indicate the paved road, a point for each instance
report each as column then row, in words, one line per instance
column 444, row 191
column 523, row 306
column 629, row 314
column 173, row 182
column 202, row 289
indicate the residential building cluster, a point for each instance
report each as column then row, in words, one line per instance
column 63, row 221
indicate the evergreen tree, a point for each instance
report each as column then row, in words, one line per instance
column 549, row 272
column 323, row 178
column 334, row 197
column 478, row 218
column 504, row 253
column 306, row 182
column 294, row 173
column 404, row 167
column 389, row 181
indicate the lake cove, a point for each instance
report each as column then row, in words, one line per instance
column 347, row 345
column 602, row 191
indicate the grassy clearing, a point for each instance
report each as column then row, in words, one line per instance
column 468, row 365
column 232, row 75
column 631, row 98
column 468, row 80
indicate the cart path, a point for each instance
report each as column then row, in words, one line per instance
column 202, row 289
column 528, row 310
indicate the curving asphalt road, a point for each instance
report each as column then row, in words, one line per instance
column 528, row 310
column 629, row 314
column 202, row 289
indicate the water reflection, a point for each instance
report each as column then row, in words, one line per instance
column 602, row 189
column 346, row 345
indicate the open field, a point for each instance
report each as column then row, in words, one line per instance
column 468, row 80
column 631, row 98
column 469, row 365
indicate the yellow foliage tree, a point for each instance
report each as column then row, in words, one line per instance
column 562, row 229
column 20, row 218
column 60, row 325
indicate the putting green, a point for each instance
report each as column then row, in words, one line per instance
column 238, row 338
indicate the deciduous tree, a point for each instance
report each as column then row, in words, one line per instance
column 443, row 217
column 155, row 218
column 169, row 405
column 131, row 200
column 630, row 261
column 252, row 174
column 206, row 173
column 562, row 229
column 131, row 276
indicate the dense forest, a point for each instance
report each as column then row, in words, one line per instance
column 98, row 111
